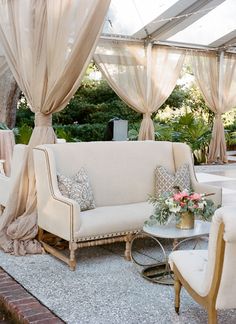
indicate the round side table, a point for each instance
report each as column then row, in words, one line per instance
column 159, row 272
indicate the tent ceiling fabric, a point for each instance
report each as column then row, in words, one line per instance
column 208, row 24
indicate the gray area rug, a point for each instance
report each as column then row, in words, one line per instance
column 104, row 289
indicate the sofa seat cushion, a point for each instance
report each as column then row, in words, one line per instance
column 192, row 266
column 108, row 220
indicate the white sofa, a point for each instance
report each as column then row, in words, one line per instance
column 7, row 183
column 121, row 175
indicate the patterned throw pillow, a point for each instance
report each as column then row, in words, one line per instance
column 165, row 181
column 77, row 188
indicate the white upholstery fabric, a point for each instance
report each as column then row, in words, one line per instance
column 182, row 154
column 228, row 216
column 119, row 172
column 228, row 280
column 198, row 272
column 192, row 266
column 227, row 292
column 113, row 219
column 125, row 165
column 121, row 175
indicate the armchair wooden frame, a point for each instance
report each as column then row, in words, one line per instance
column 208, row 301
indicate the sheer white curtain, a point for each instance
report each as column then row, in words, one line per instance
column 143, row 77
column 3, row 65
column 216, row 77
column 48, row 45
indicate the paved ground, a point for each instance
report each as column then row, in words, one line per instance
column 220, row 175
column 107, row 289
column 20, row 306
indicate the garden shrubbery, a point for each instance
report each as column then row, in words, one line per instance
column 184, row 117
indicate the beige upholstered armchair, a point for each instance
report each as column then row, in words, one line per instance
column 209, row 275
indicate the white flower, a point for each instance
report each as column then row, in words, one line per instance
column 201, row 204
column 169, row 202
column 175, row 209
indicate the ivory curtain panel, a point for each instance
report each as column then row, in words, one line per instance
column 216, row 78
column 143, row 77
column 48, row 45
column 3, row 65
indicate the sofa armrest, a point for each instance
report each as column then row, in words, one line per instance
column 56, row 214
column 5, row 184
column 60, row 216
column 183, row 154
column 205, row 188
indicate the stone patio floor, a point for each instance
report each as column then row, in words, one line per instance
column 105, row 288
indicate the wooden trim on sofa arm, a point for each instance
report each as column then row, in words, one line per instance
column 208, row 301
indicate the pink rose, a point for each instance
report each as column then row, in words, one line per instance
column 180, row 195
column 195, row 196
column 177, row 196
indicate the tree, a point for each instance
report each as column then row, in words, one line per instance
column 9, row 96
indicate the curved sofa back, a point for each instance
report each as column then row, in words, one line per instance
column 119, row 172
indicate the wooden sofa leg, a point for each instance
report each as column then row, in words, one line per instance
column 40, row 234
column 128, row 248
column 72, row 262
column 178, row 287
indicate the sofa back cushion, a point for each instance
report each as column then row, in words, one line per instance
column 77, row 188
column 119, row 172
column 166, row 181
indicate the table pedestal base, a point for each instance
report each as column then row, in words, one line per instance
column 159, row 273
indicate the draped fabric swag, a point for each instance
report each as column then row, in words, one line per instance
column 48, row 45
column 143, row 77
column 216, row 78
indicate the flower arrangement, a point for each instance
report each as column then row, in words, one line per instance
column 167, row 206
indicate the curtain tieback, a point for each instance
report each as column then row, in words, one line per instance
column 218, row 115
column 147, row 115
column 43, row 120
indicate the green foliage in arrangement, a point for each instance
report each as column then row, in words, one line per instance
column 168, row 206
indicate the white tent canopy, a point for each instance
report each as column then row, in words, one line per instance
column 196, row 26
column 208, row 24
